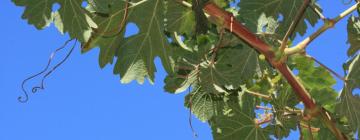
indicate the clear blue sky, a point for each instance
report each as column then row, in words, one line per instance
column 84, row 102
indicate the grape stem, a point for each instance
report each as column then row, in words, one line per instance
column 253, row 41
column 329, row 23
column 294, row 24
column 327, row 68
column 256, row 94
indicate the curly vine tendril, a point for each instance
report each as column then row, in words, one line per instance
column 25, row 98
column 190, row 115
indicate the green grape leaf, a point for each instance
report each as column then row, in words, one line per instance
column 236, row 121
column 349, row 103
column 137, row 53
column 353, row 29
column 317, row 80
column 72, row 17
column 37, row 12
column 320, row 130
column 232, row 68
column 107, row 36
column 312, row 76
column 285, row 97
column 75, row 19
column 325, row 97
column 187, row 61
column 262, row 85
column 283, row 103
column 281, row 130
column 203, row 104
column 176, row 83
column 251, row 10
column 102, row 6
column 179, row 18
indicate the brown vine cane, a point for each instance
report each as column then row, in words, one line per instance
column 253, row 41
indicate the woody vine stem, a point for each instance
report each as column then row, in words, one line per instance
column 313, row 110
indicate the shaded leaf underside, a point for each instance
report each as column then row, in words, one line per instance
column 349, row 103
column 282, row 10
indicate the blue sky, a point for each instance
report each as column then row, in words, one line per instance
column 82, row 101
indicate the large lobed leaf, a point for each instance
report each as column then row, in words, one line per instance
column 349, row 103
column 283, row 100
column 234, row 66
column 135, row 53
column 317, row 80
column 283, row 10
column 107, row 36
column 179, row 18
column 236, row 121
column 203, row 104
column 71, row 17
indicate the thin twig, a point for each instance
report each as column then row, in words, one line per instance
column 268, row 118
column 184, row 67
column 327, row 68
column 263, row 107
column 258, row 94
column 313, row 129
column 310, row 131
column 294, row 24
column 182, row 76
column 114, row 32
column 292, row 110
column 215, row 50
column 329, row 23
column 288, row 111
column 300, row 131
